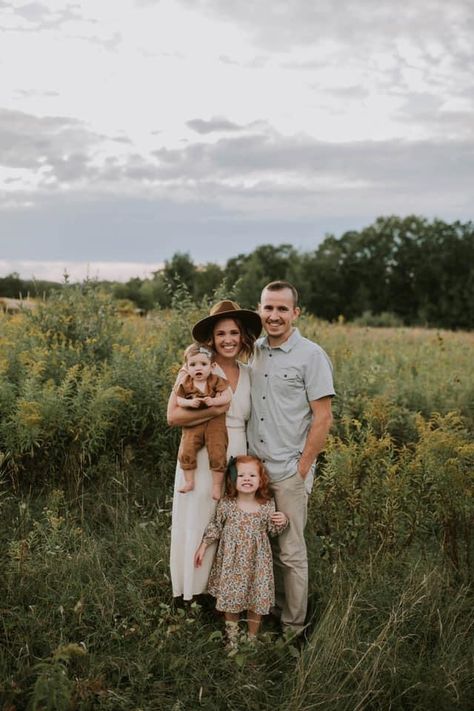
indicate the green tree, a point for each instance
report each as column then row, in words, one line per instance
column 266, row 263
column 180, row 269
column 207, row 280
column 11, row 286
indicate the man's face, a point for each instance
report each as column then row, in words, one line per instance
column 278, row 314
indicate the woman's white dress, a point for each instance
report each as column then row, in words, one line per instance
column 193, row 511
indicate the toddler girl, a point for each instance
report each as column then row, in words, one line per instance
column 201, row 388
column 241, row 577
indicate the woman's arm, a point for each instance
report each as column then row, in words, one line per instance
column 180, row 416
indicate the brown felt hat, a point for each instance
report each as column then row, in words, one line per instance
column 227, row 309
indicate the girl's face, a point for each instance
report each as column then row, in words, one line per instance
column 248, row 478
column 226, row 338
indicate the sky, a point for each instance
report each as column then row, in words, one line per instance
column 134, row 129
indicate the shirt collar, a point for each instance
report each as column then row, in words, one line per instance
column 287, row 345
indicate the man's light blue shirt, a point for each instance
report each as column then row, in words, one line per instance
column 284, row 380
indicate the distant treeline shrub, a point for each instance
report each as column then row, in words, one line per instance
column 396, row 271
column 385, row 319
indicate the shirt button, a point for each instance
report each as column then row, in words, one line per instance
column 261, row 441
column 261, row 419
column 270, row 355
column 263, row 398
column 266, row 375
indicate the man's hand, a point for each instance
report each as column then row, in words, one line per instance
column 300, row 473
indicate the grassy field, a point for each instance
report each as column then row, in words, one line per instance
column 87, row 618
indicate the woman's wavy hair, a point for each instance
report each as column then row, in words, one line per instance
column 263, row 492
column 248, row 339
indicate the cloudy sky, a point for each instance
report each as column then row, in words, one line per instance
column 133, row 129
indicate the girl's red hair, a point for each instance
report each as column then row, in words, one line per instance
column 263, row 492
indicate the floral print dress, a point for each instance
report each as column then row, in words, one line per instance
column 241, row 576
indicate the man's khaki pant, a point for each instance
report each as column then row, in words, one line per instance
column 290, row 560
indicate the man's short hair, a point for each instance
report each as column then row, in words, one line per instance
column 279, row 285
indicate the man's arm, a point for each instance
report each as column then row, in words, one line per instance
column 317, row 434
column 180, row 416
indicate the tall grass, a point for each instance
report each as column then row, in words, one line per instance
column 390, row 637
column 86, row 463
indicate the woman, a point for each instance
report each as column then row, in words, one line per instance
column 231, row 332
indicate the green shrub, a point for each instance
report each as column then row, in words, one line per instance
column 385, row 319
column 86, row 469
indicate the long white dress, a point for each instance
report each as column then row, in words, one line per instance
column 193, row 511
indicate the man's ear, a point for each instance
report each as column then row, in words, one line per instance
column 297, row 311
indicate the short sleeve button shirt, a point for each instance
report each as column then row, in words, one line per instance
column 284, row 380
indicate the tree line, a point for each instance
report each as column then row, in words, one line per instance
column 416, row 271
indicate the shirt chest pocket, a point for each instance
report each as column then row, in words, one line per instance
column 286, row 378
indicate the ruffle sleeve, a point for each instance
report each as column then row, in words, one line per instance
column 213, row 530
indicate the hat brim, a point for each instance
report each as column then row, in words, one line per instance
column 202, row 330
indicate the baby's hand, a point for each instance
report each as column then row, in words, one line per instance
column 194, row 402
column 279, row 518
column 208, row 401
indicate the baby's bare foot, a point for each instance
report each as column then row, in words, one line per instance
column 188, row 486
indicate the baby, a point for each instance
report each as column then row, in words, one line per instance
column 201, row 388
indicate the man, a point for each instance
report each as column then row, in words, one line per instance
column 292, row 389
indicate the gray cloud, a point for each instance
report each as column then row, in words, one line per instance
column 34, row 93
column 34, row 11
column 359, row 93
column 245, row 177
column 243, row 168
column 59, row 144
column 215, row 124
column 281, row 24
column 383, row 162
column 40, row 15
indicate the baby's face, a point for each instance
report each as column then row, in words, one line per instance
column 199, row 366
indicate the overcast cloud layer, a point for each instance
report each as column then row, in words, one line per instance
column 134, row 129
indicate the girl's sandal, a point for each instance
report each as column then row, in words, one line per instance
column 231, row 634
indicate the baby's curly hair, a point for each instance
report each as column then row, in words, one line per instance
column 263, row 492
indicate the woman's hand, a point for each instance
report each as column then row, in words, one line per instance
column 279, row 518
column 198, row 558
